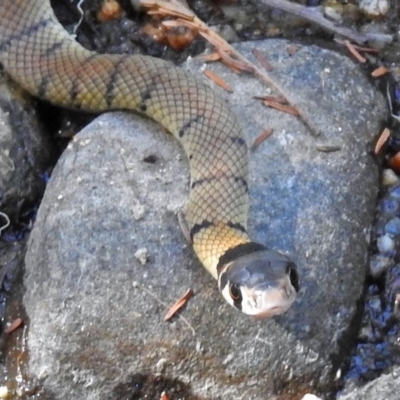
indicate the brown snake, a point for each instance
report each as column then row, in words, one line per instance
column 45, row 60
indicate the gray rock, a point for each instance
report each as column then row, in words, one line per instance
column 386, row 387
column 24, row 151
column 96, row 312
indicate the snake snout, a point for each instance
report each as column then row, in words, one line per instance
column 263, row 283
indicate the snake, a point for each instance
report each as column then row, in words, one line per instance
column 45, row 60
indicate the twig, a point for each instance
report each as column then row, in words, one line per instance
column 312, row 14
column 5, row 216
column 397, row 118
column 82, row 14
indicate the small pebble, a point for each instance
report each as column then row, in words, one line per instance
column 395, row 191
column 138, row 211
column 389, row 206
column 3, row 392
column 309, row 396
column 378, row 264
column 374, row 8
column 396, row 310
column 365, row 333
column 142, row 255
column 334, row 11
column 393, row 226
column 375, row 303
column 385, row 244
column 161, row 364
column 390, row 178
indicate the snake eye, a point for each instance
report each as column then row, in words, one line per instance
column 235, row 292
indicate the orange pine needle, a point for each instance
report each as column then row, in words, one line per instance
column 355, row 53
column 359, row 48
column 277, row 99
column 366, row 49
column 217, row 80
column 262, row 60
column 382, row 140
column 17, row 323
column 164, row 396
column 376, row 73
column 259, row 139
column 281, row 107
column 234, row 64
column 209, row 57
column 178, row 305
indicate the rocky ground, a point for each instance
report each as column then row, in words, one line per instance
column 106, row 256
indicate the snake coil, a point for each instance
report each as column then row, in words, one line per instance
column 45, row 60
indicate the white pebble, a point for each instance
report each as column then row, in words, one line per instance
column 390, row 178
column 378, row 264
column 161, row 364
column 3, row 392
column 374, row 8
column 385, row 244
column 142, row 255
column 309, row 396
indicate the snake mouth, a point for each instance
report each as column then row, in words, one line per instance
column 266, row 302
column 271, row 312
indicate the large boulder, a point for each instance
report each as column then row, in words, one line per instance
column 107, row 257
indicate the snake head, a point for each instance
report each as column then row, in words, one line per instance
column 261, row 283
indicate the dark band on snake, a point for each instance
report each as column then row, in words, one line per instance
column 44, row 59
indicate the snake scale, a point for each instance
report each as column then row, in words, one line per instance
column 44, row 59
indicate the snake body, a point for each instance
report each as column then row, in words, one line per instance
column 46, row 61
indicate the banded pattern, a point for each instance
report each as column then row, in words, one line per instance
column 41, row 56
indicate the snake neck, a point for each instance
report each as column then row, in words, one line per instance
column 212, row 241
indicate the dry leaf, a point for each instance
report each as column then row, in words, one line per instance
column 178, row 304
column 217, row 80
column 155, row 31
column 110, row 10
